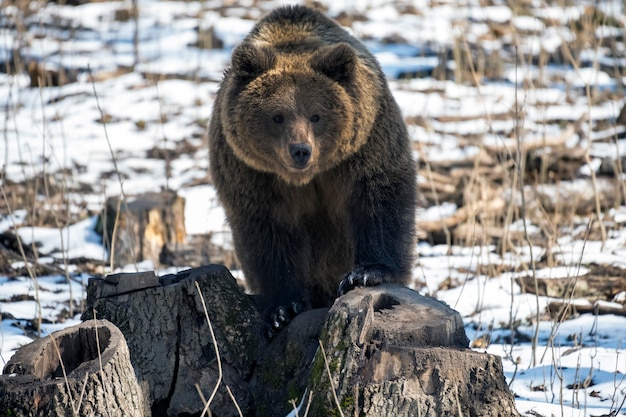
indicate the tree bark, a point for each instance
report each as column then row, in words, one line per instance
column 142, row 227
column 393, row 352
column 83, row 370
column 171, row 346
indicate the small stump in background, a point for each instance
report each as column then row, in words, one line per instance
column 142, row 227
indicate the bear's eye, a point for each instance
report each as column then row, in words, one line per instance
column 278, row 119
column 315, row 118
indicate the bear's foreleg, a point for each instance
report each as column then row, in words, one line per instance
column 270, row 256
column 383, row 226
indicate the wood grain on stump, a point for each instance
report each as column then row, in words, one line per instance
column 83, row 370
column 393, row 352
column 171, row 347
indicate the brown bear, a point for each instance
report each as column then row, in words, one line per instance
column 312, row 162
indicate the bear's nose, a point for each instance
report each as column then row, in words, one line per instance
column 300, row 153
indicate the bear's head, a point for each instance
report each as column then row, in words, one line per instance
column 295, row 114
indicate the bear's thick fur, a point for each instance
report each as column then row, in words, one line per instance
column 312, row 162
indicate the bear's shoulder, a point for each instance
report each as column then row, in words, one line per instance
column 301, row 29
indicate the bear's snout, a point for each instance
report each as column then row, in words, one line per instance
column 300, row 154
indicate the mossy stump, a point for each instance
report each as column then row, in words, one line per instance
column 393, row 352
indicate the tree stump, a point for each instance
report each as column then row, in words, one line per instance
column 391, row 352
column 284, row 365
column 171, row 346
column 142, row 227
column 83, row 370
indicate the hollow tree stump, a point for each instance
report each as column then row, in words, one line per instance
column 88, row 373
column 171, row 347
column 393, row 352
column 142, row 227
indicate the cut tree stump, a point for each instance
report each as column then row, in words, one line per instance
column 169, row 339
column 389, row 352
column 142, row 227
column 393, row 352
column 83, row 370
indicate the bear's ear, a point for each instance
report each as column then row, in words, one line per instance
column 249, row 61
column 337, row 62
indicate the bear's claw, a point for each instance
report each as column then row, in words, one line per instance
column 281, row 317
column 363, row 276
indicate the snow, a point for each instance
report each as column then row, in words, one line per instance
column 498, row 14
column 562, row 15
column 79, row 239
column 528, row 24
column 588, row 77
column 232, row 30
column 56, row 128
column 439, row 212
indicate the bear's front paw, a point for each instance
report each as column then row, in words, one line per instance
column 281, row 316
column 364, row 276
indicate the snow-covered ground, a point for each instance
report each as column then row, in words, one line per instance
column 578, row 367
